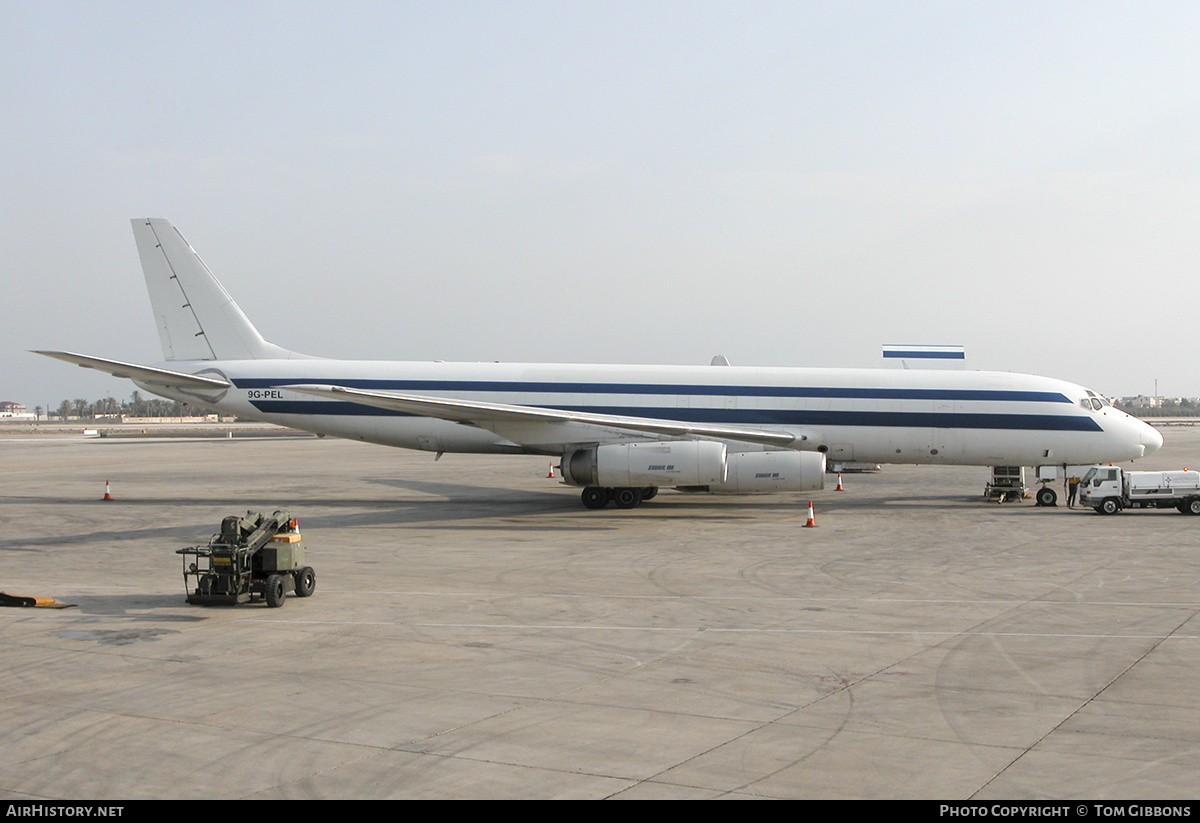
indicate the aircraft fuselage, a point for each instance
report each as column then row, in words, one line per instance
column 874, row 415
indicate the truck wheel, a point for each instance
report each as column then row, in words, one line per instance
column 1192, row 505
column 1110, row 505
column 1047, row 497
column 274, row 591
column 306, row 582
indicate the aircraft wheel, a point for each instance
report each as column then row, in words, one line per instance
column 274, row 591
column 1047, row 497
column 594, row 497
column 649, row 492
column 626, row 498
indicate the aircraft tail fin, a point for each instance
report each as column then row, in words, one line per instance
column 195, row 316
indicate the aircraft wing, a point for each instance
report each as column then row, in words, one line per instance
column 145, row 374
column 489, row 415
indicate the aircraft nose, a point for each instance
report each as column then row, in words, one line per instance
column 1151, row 438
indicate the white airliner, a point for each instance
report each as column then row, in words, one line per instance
column 621, row 431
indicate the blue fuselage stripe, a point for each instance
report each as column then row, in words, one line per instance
column 759, row 417
column 516, row 386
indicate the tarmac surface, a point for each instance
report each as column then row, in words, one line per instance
column 476, row 633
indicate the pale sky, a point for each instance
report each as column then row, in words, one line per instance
column 784, row 183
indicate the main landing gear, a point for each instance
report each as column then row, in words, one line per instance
column 597, row 497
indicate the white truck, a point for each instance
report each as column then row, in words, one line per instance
column 1109, row 489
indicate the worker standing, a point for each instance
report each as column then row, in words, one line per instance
column 1072, row 487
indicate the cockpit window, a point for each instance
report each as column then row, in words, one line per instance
column 1094, row 401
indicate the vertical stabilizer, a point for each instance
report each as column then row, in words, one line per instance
column 196, row 317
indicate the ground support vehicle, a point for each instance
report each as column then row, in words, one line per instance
column 251, row 555
column 1110, row 489
column 1008, row 483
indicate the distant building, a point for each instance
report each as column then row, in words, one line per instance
column 1145, row 406
column 10, row 409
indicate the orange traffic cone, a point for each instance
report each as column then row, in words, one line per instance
column 812, row 521
column 107, row 491
column 551, row 474
column 839, row 485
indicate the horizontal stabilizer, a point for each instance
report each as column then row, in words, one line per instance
column 143, row 374
column 487, row 415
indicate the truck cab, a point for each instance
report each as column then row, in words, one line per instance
column 1101, row 488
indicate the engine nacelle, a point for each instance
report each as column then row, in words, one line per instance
column 663, row 463
column 772, row 471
